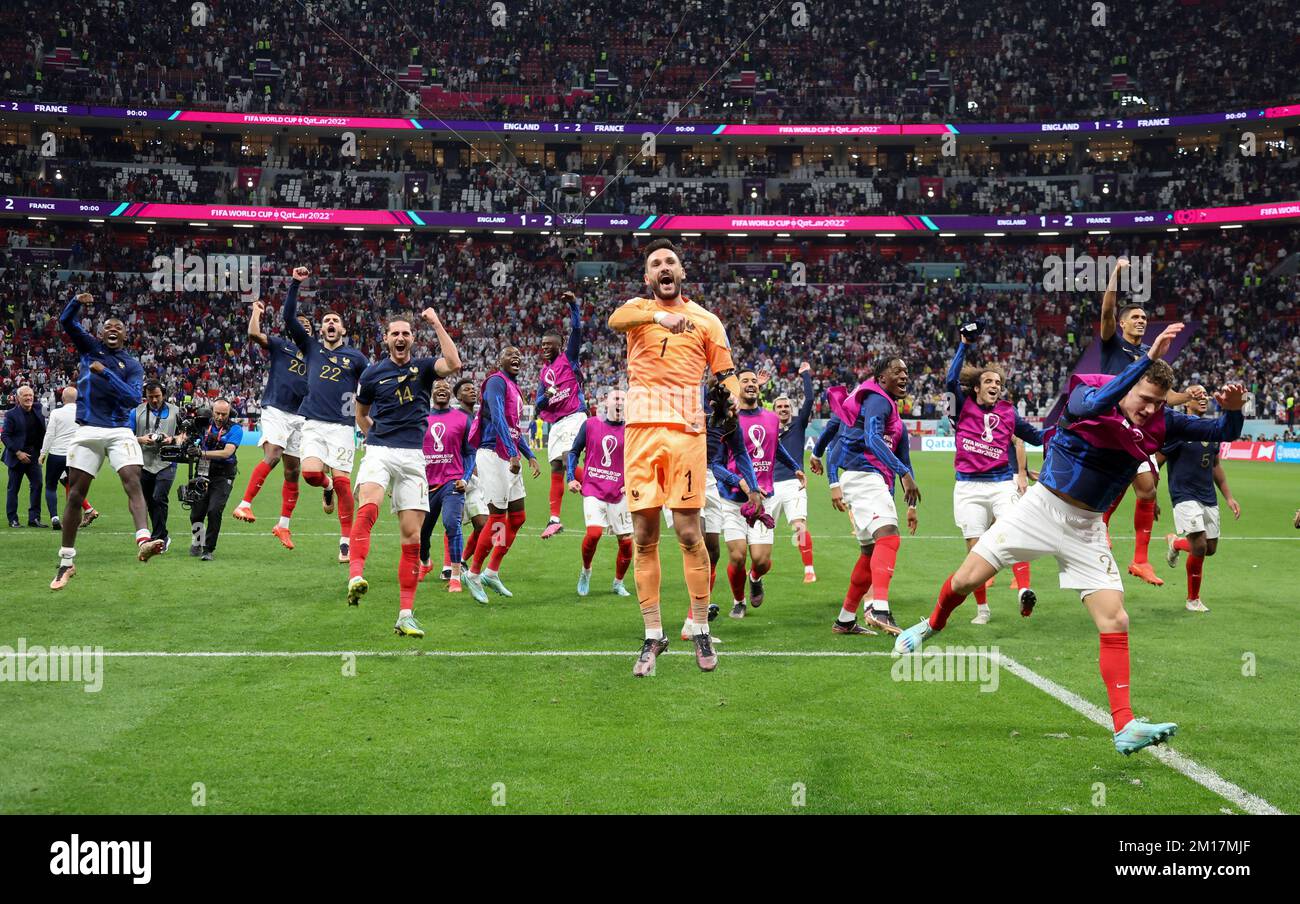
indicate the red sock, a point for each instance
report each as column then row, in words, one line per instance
column 1021, row 571
column 557, row 493
column 1113, row 659
column 446, row 551
column 471, row 545
column 1194, row 564
column 713, row 576
column 288, row 498
column 859, row 581
column 624, row 558
column 805, row 548
column 315, row 478
column 589, row 543
column 514, row 521
column 495, row 527
column 359, row 539
column 949, row 600
column 1182, row 544
column 1114, row 505
column 737, row 578
column 86, row 506
column 343, row 489
column 260, row 472
column 882, row 565
column 757, row 571
column 408, row 572
column 1144, row 515
column 981, row 595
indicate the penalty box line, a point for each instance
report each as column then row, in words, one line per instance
column 1184, row 765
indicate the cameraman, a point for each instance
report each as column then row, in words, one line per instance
column 217, row 463
column 155, row 423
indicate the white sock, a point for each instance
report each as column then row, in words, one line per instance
column 807, row 569
column 847, row 616
column 489, row 573
column 880, row 605
column 142, row 535
column 244, row 503
column 700, row 629
column 66, row 555
column 342, row 542
column 283, row 522
column 737, row 602
column 586, row 571
column 689, row 625
column 406, row 613
column 754, row 578
column 553, row 520
column 980, row 607
column 654, row 633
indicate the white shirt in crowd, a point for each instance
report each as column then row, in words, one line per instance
column 59, row 428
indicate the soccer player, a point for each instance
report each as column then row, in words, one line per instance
column 827, row 446
column 789, row 494
column 286, row 387
column 1110, row 424
column 329, row 408
column 392, row 406
column 988, row 484
column 1194, row 471
column 560, row 403
column 604, row 505
column 448, row 463
column 670, row 342
column 873, row 451
column 1121, row 344
column 109, row 386
column 497, row 436
column 759, row 431
column 476, row 513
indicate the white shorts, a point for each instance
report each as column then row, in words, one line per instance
column 734, row 526
column 563, row 432
column 398, row 471
column 611, row 516
column 280, row 428
column 334, row 444
column 790, row 498
column 498, row 486
column 474, row 503
column 1144, row 468
column 91, row 445
column 976, row 504
column 1192, row 517
column 1042, row 524
column 871, row 505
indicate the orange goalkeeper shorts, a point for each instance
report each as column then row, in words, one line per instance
column 664, row 466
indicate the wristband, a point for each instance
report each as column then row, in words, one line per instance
column 659, row 316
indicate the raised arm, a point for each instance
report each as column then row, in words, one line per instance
column 805, row 410
column 449, row 363
column 70, row 320
column 255, row 325
column 1109, row 301
column 953, row 381
column 299, row 335
column 574, row 345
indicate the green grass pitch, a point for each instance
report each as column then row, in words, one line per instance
column 576, row 733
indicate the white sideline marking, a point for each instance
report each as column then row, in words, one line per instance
column 1203, row 776
column 229, row 530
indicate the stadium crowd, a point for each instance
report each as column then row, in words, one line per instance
column 745, row 59
column 860, row 300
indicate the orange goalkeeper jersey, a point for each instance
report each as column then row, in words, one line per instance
column 665, row 370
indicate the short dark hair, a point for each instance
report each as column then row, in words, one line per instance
column 659, row 245
column 1161, row 374
column 455, row 390
column 1129, row 307
column 882, row 365
column 152, row 385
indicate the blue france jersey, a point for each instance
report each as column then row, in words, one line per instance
column 107, row 398
column 332, row 374
column 398, row 396
column 795, row 436
column 1190, row 469
column 286, row 385
column 1118, row 353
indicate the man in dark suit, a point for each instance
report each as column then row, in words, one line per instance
column 24, row 431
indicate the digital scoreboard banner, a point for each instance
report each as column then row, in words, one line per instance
column 1256, row 115
column 884, row 226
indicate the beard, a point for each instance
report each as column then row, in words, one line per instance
column 671, row 291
